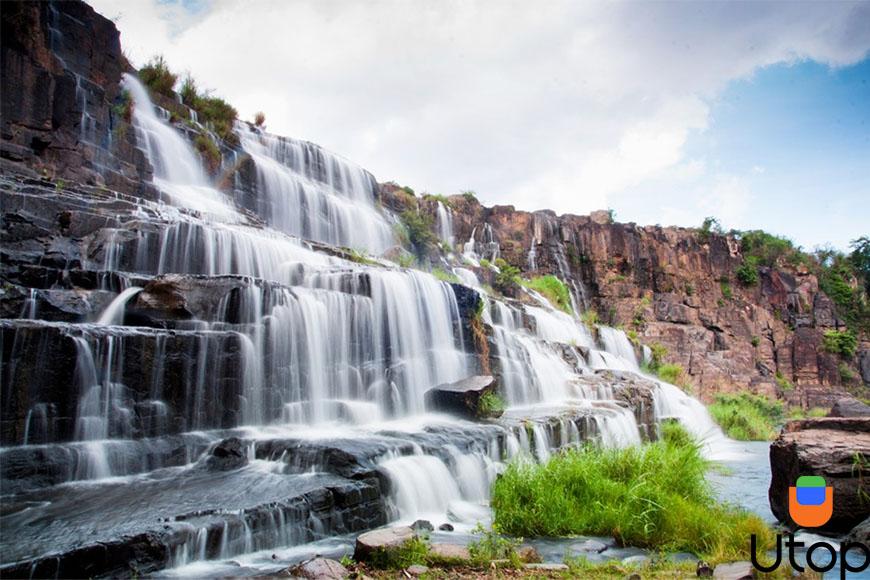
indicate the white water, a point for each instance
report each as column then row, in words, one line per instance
column 445, row 224
column 114, row 312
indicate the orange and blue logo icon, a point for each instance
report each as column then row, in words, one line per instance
column 810, row 501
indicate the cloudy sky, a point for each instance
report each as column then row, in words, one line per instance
column 758, row 114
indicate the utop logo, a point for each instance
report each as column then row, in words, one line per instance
column 810, row 505
column 810, row 501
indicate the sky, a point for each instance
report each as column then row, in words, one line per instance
column 666, row 112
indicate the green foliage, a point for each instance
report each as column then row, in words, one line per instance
column 490, row 405
column 654, row 496
column 589, row 318
column 784, row 383
column 553, row 290
column 157, row 76
column 123, row 107
column 414, row 551
column 690, row 289
column 632, row 336
column 747, row 417
column 493, row 546
column 674, row 374
column 841, row 342
column 768, row 249
column 419, row 230
column 795, row 413
column 725, row 287
column 210, row 153
column 860, row 258
column 437, row 197
column 359, row 256
column 747, row 272
column 709, row 226
column 846, row 374
column 755, row 341
column 611, row 215
column 507, row 278
column 189, row 92
column 219, row 114
column 470, row 196
column 581, row 567
column 484, row 263
column 839, row 280
column 405, row 260
column 445, row 276
column 658, row 352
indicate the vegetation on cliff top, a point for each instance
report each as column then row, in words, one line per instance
column 553, row 290
column 654, row 496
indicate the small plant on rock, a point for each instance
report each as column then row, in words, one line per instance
column 157, row 76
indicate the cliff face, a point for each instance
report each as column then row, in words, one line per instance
column 63, row 119
column 676, row 287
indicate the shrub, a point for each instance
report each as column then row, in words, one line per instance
column 654, row 496
column 260, row 119
column 846, row 374
column 690, row 289
column 219, row 114
column 438, row 198
column 747, row 272
column 755, row 341
column 359, row 256
column 841, row 342
column 553, row 290
column 709, row 226
column 419, row 229
column 590, row 318
column 490, row 404
column 747, row 417
column 211, row 154
column 725, row 286
column 470, row 196
column 507, row 278
column 658, row 352
column 414, row 551
column 768, row 249
column 674, row 374
column 484, row 263
column 123, row 107
column 493, row 546
column 157, row 76
column 784, row 383
column 188, row 92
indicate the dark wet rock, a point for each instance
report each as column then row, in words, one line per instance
column 318, row 568
column 849, row 407
column 381, row 541
column 703, row 570
column 445, row 527
column 825, row 447
column 734, row 571
column 228, row 454
column 461, row 398
column 422, row 526
column 860, row 533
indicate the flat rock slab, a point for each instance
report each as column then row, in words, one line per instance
column 320, row 568
column 381, row 540
column 734, row 571
column 547, row 567
column 417, row 570
column 450, row 551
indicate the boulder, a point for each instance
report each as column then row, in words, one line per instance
column 860, row 533
column 417, row 570
column 826, row 447
column 445, row 527
column 734, row 571
column 461, row 398
column 380, row 541
column 422, row 526
column 227, row 455
column 529, row 554
column 849, row 407
column 320, row 568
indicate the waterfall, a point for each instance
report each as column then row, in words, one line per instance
column 445, row 224
column 114, row 312
column 178, row 172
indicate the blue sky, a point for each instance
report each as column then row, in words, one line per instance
column 797, row 137
column 754, row 112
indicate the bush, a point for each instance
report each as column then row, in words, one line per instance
column 654, row 496
column 414, row 551
column 768, row 249
column 674, row 374
column 210, row 153
column 188, row 92
column 438, row 198
column 260, row 119
column 219, row 114
column 725, row 286
column 507, row 278
column 747, row 272
column 747, row 417
column 470, row 196
column 419, row 229
column 784, row 383
column 445, row 276
column 490, row 404
column 708, row 227
column 493, row 546
column 156, row 76
column 841, row 342
column 553, row 290
column 590, row 318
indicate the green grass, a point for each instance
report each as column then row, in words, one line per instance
column 655, row 496
column 747, row 417
column 553, row 290
column 414, row 551
column 795, row 413
column 445, row 276
column 675, row 374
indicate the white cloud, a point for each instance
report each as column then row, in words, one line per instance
column 560, row 105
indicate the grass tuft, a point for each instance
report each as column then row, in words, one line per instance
column 654, row 496
column 747, row 417
column 553, row 290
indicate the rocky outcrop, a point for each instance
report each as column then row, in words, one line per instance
column 849, row 407
column 462, row 398
column 318, row 568
column 379, row 543
column 676, row 287
column 62, row 107
column 834, row 448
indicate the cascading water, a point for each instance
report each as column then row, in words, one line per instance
column 284, row 371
